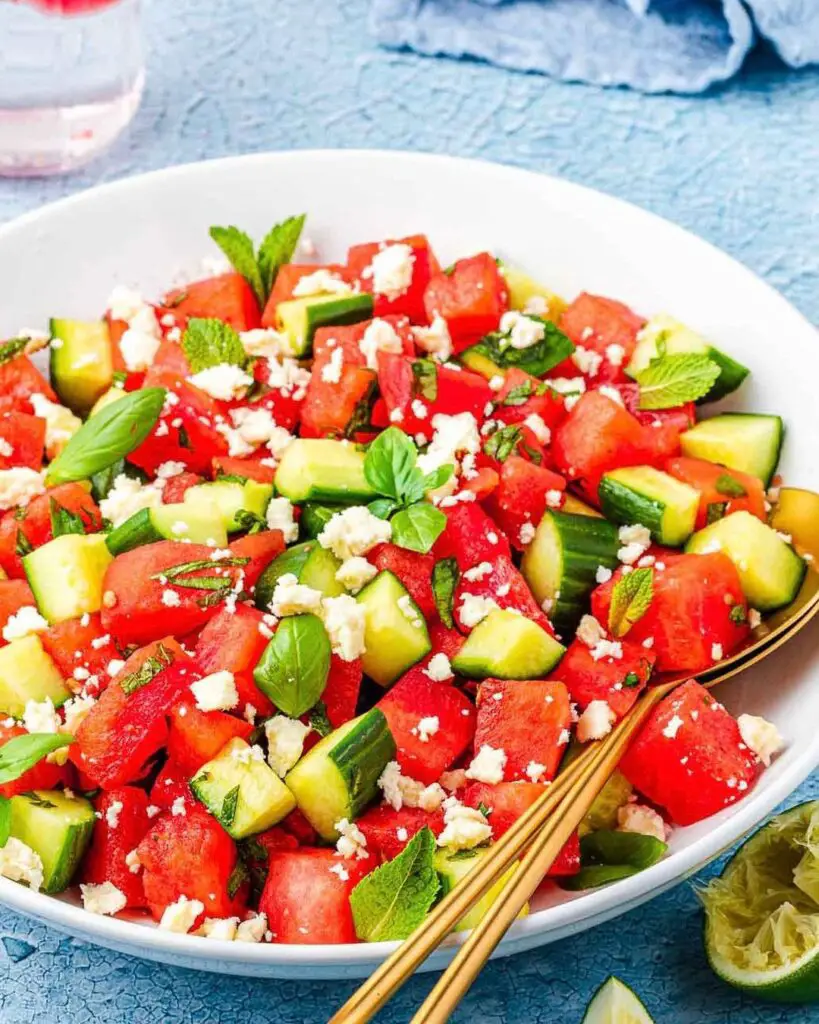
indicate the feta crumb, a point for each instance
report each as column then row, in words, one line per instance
column 474, row 609
column 180, row 916
column 224, row 381
column 223, row 928
column 345, row 622
column 673, row 726
column 535, row 771
column 321, row 282
column 643, row 820
column 279, row 516
column 419, row 410
column 351, row 842
column 379, row 336
column 354, row 532
column 635, row 541
column 453, row 435
column 216, row 692
column 178, row 808
column 355, row 572
column 265, row 343
column 523, row 331
column 595, row 722
column 75, row 709
column 716, row 652
column 21, row 864
column 401, row 834
column 113, row 812
column 61, row 423
column 127, row 497
column 612, row 393
column 332, row 369
column 40, row 716
column 285, row 742
column 104, row 898
column 19, row 485
column 439, row 668
column 526, row 534
column 132, row 862
column 487, row 765
column 252, row 930
column 427, row 728
column 607, row 649
column 293, row 598
column 603, row 574
column 589, row 631
column 25, row 621
column 754, row 618
column 435, row 339
column 391, row 270
column 138, row 349
column 535, row 422
column 340, row 871
column 586, row 360
column 464, row 827
column 615, row 354
column 760, row 736
column 401, row 790
column 170, row 598
column 454, row 780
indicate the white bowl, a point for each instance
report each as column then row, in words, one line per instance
column 64, row 259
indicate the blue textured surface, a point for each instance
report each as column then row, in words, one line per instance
column 739, row 167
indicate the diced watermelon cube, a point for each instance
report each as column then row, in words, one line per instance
column 413, row 569
column 195, row 736
column 388, row 831
column 471, row 537
column 618, row 681
column 122, row 824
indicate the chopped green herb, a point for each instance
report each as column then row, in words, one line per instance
column 726, row 484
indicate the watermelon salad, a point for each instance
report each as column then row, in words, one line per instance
column 315, row 575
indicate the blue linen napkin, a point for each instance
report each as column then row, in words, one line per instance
column 650, row 45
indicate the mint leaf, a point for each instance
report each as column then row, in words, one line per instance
column 445, row 578
column 389, row 463
column 238, row 247
column 630, row 600
column 209, row 342
column 726, row 484
column 107, row 436
column 674, row 380
column 503, row 443
column 150, row 668
column 294, row 667
column 425, row 374
column 229, row 806
column 318, row 720
column 715, row 511
column 239, row 875
column 393, row 900
column 20, row 753
column 537, row 359
column 277, row 248
column 418, row 527
column 63, row 521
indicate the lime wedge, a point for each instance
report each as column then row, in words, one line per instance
column 762, row 914
column 615, row 1003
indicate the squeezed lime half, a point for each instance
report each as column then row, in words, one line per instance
column 762, row 914
column 615, row 1003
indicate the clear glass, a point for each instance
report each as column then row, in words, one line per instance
column 71, row 78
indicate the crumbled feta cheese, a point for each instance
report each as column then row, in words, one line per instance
column 716, row 652
column 75, row 709
column 138, row 349
column 113, row 812
column 245, row 754
column 19, row 485
column 464, row 827
column 379, row 336
column 354, row 532
column 523, row 331
column 396, row 416
column 40, row 716
column 285, row 742
column 754, row 618
column 223, row 928
column 279, row 516
column 607, row 649
column 6, row 449
column 475, row 608
column 104, row 898
column 125, row 303
column 454, row 780
column 216, row 692
column 439, row 668
column 264, row 343
column 589, row 631
column 331, row 371
column 435, row 339
column 114, row 667
column 487, row 765
column 61, row 423
column 587, row 360
column 645, row 821
column 615, row 354
column 351, row 842
column 225, row 381
column 127, row 497
column 354, row 573
column 427, row 728
column 535, row 771
column 760, row 736
column 595, row 722
column 25, row 621
column 635, row 541
column 170, row 598
column 342, row 872
column 611, row 392
column 21, row 864
column 672, row 727
column 478, row 572
column 536, row 305
column 180, row 916
column 132, row 862
column 419, row 410
column 535, row 422
column 453, row 435
column 526, row 534
column 391, row 270
column 400, row 790
column 178, row 807
column 321, row 282
column 293, row 598
column 345, row 622
column 252, row 930
column 286, row 376
column 603, row 574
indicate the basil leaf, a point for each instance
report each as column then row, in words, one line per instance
column 5, row 819
column 438, row 477
column 277, row 248
column 209, row 342
column 238, row 247
column 389, row 463
column 294, row 667
column 107, row 436
column 20, row 753
column 382, row 507
column 102, row 482
column 728, row 485
column 596, row 875
column 22, row 546
column 536, row 360
column 630, row 600
column 676, row 379
column 319, row 722
column 394, row 899
column 418, row 527
column 519, row 395
column 64, row 521
column 502, row 443
column 249, row 521
column 616, row 848
column 445, row 578
column 425, row 374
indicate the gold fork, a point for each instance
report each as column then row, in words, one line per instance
column 552, row 819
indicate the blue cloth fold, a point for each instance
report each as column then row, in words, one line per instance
column 651, row 45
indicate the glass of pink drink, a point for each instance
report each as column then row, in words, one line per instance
column 71, row 78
